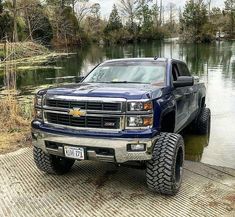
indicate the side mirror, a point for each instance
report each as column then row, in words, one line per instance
column 184, row 81
column 79, row 79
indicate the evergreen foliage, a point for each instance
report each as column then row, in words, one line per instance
column 193, row 20
column 72, row 22
column 114, row 22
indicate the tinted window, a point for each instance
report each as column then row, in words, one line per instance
column 183, row 69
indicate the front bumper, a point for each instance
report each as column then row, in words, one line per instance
column 120, row 153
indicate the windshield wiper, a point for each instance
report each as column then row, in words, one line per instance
column 124, row 82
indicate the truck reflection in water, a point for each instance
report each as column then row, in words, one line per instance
column 194, row 146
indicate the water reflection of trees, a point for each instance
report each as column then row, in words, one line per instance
column 199, row 57
column 9, row 68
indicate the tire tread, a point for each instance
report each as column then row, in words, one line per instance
column 160, row 169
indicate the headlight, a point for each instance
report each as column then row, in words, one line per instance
column 140, row 106
column 139, row 121
column 38, row 101
column 38, row 114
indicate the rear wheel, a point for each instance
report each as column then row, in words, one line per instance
column 50, row 163
column 203, row 122
column 164, row 170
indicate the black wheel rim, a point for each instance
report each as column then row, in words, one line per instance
column 179, row 166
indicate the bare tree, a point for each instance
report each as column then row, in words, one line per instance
column 161, row 10
column 15, row 33
column 82, row 10
column 74, row 4
column 208, row 2
column 171, row 8
column 28, row 9
column 95, row 11
column 129, row 8
column 155, row 14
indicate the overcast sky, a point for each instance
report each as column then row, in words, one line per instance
column 106, row 5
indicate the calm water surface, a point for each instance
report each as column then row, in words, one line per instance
column 214, row 64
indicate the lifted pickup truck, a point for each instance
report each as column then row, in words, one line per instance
column 125, row 110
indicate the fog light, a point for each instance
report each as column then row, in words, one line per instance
column 135, row 121
column 136, row 147
column 139, row 121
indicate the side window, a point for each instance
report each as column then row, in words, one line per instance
column 175, row 72
column 183, row 69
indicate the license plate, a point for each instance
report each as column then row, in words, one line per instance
column 74, row 152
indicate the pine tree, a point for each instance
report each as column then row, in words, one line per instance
column 145, row 17
column 114, row 22
column 193, row 19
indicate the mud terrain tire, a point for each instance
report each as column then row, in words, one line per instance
column 203, row 122
column 51, row 164
column 164, row 170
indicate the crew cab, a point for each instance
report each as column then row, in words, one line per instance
column 123, row 111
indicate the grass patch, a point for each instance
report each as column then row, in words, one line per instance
column 2, row 54
column 14, row 124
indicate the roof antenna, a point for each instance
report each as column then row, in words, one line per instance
column 155, row 58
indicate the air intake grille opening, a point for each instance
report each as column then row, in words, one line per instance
column 84, row 105
column 86, row 122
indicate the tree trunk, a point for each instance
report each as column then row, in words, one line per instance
column 209, row 9
column 232, row 21
column 160, row 20
column 15, row 33
column 73, row 5
column 29, row 26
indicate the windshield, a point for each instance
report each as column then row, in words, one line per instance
column 128, row 72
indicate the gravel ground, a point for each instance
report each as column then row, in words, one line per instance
column 100, row 189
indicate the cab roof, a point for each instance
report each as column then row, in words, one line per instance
column 158, row 59
column 151, row 59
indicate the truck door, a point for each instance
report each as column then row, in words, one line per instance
column 192, row 92
column 182, row 98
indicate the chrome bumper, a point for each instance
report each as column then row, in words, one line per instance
column 119, row 146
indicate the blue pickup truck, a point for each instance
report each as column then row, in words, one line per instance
column 124, row 111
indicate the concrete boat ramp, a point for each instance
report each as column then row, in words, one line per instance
column 101, row 189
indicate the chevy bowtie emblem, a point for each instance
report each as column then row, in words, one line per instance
column 76, row 112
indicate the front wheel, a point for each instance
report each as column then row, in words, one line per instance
column 51, row 164
column 164, row 170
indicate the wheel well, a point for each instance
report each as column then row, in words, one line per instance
column 203, row 101
column 168, row 122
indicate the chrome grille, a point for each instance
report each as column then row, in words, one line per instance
column 99, row 106
column 84, row 122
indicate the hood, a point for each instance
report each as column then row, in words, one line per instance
column 127, row 91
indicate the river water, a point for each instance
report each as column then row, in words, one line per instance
column 213, row 63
